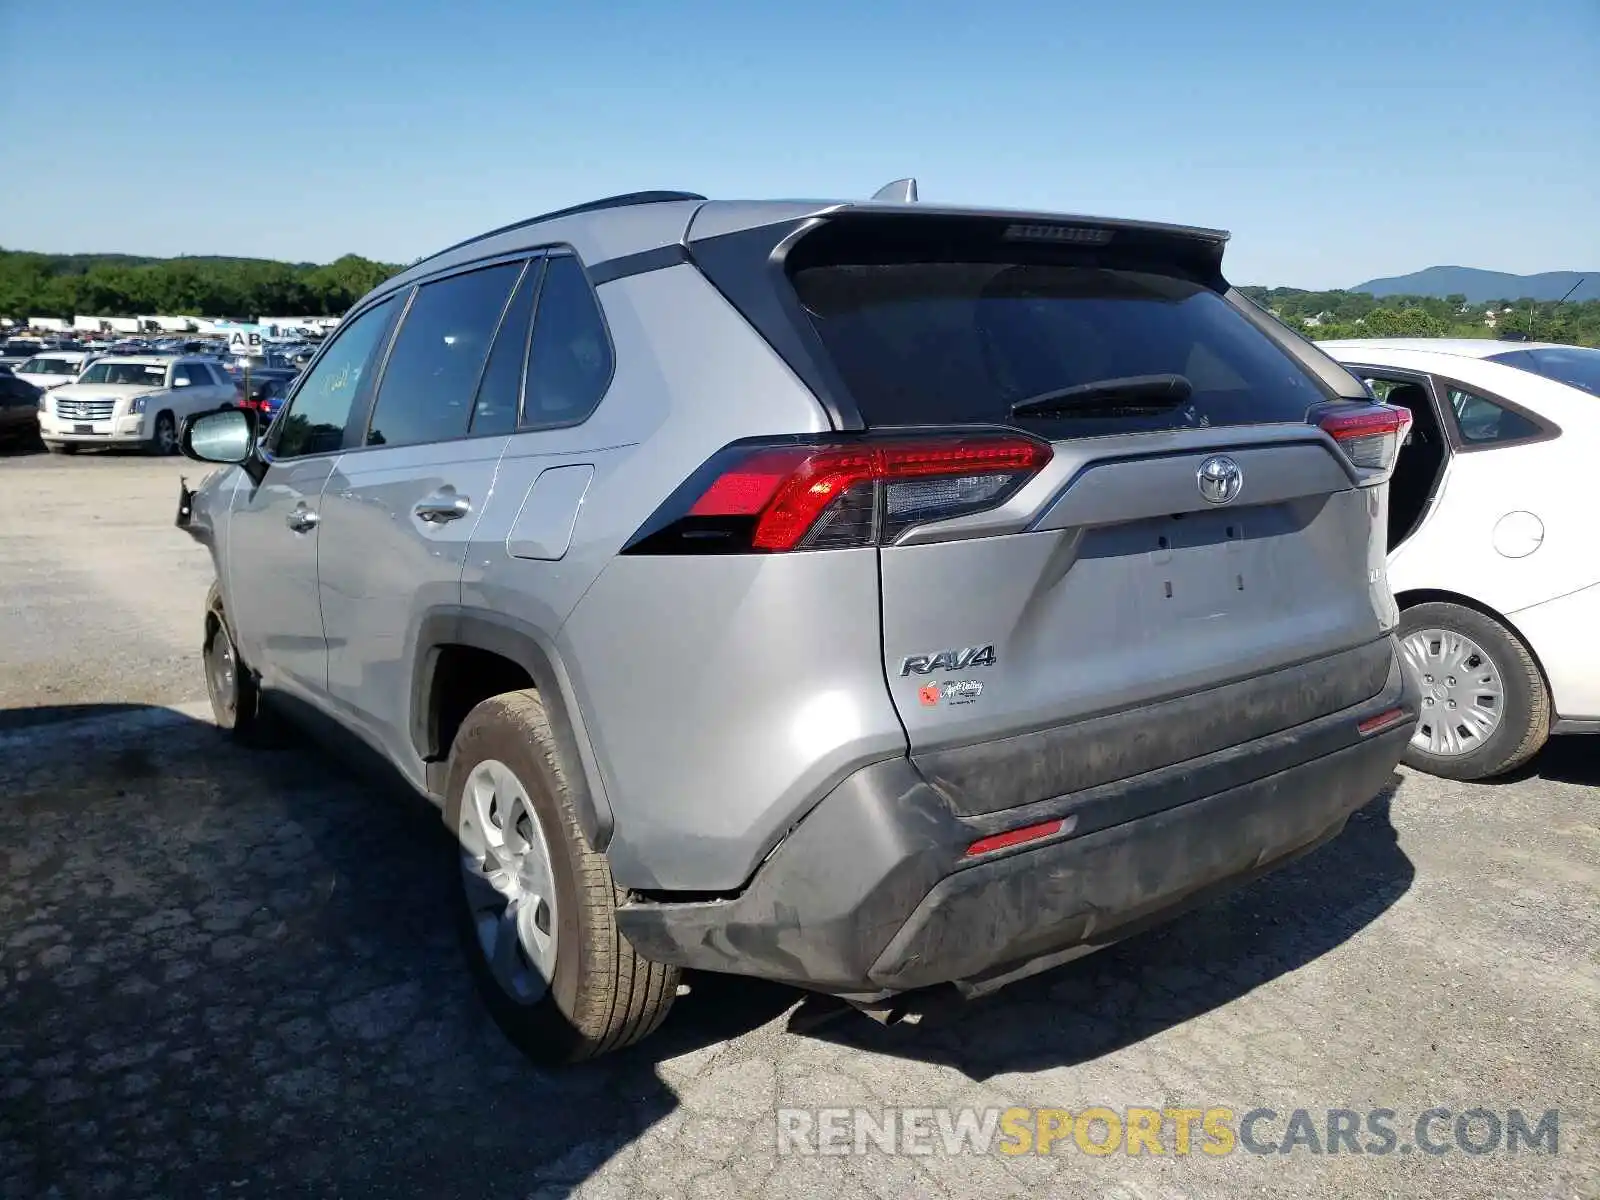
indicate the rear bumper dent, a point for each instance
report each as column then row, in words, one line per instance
column 870, row 895
column 1087, row 892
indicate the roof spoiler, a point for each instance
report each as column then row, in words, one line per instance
column 901, row 191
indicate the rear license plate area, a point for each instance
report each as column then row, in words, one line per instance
column 1198, row 568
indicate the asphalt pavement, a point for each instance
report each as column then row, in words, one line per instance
column 234, row 973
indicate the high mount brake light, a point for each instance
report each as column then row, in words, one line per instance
column 1369, row 434
column 831, row 495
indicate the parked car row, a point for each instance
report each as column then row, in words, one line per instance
column 80, row 398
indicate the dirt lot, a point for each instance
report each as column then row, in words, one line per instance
column 233, row 973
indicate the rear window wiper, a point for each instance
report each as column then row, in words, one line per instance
column 1124, row 395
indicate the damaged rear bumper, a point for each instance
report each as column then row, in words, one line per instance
column 874, row 893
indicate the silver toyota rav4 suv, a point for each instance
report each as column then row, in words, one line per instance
column 866, row 596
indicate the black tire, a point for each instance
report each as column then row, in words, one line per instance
column 1525, row 718
column 60, row 448
column 602, row 996
column 164, row 437
column 230, row 684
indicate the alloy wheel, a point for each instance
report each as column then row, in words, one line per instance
column 509, row 879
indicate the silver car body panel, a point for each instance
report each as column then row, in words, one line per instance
column 271, row 590
column 382, row 568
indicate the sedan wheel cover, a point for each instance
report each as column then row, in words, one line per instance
column 1463, row 698
column 509, row 878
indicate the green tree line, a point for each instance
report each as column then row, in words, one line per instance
column 115, row 285
column 1328, row 315
column 120, row 285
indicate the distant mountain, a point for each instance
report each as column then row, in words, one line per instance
column 1480, row 286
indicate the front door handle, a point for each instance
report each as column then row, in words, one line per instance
column 442, row 507
column 301, row 520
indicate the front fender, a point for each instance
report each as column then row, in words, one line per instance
column 203, row 511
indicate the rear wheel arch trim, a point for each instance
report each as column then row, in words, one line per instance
column 516, row 641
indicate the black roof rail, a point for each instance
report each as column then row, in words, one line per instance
column 622, row 201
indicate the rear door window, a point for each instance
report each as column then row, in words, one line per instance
column 500, row 390
column 569, row 361
column 428, row 385
column 943, row 341
column 1481, row 422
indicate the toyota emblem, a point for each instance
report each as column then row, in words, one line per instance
column 1220, row 479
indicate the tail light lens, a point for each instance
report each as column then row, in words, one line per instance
column 1369, row 434
column 830, row 495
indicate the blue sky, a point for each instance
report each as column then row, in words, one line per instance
column 1338, row 140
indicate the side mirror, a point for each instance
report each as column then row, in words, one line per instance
column 181, row 381
column 225, row 436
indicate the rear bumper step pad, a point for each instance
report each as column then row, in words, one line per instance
column 1019, row 770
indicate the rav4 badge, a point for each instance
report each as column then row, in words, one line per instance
column 949, row 660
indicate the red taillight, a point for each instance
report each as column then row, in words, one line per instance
column 1015, row 837
column 1369, row 434
column 837, row 494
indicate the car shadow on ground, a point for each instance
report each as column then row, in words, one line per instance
column 232, row 971
column 1568, row 759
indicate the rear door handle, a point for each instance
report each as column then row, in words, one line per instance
column 443, row 507
column 301, row 520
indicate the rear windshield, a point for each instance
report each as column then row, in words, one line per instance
column 937, row 342
column 1578, row 366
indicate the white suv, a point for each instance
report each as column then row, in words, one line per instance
column 132, row 400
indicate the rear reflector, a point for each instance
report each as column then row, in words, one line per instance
column 836, row 494
column 1384, row 720
column 1015, row 837
column 1369, row 434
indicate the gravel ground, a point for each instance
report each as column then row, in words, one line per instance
column 233, row 973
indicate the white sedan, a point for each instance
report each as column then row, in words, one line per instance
column 1493, row 554
column 53, row 368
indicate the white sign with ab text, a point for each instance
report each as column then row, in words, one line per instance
column 244, row 342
